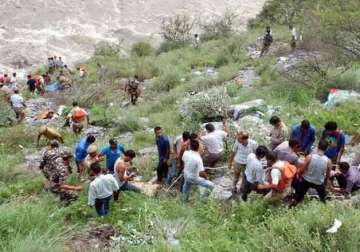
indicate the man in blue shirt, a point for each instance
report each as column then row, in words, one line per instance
column 163, row 146
column 336, row 142
column 305, row 134
column 112, row 152
column 81, row 153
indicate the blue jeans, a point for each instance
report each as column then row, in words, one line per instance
column 199, row 181
column 102, row 206
column 173, row 172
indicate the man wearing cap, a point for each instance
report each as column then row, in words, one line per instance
column 112, row 152
column 93, row 157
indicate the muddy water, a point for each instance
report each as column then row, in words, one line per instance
column 35, row 29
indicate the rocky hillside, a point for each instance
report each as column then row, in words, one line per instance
column 33, row 30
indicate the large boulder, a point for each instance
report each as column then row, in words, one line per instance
column 239, row 110
column 256, row 127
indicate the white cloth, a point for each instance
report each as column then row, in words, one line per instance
column 17, row 101
column 242, row 152
column 294, row 33
column 276, row 172
column 102, row 187
column 193, row 164
column 178, row 142
column 214, row 141
column 254, row 171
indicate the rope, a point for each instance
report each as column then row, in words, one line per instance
column 173, row 183
column 216, row 168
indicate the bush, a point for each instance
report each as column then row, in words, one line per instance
column 177, row 29
column 219, row 28
column 209, row 106
column 169, row 79
column 127, row 124
column 145, row 68
column 142, row 49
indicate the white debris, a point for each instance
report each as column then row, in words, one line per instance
column 335, row 227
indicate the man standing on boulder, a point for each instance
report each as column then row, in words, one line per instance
column 163, row 146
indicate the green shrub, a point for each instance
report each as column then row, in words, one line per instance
column 127, row 124
column 168, row 79
column 219, row 28
column 142, row 49
column 145, row 68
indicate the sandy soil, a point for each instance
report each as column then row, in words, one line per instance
column 34, row 29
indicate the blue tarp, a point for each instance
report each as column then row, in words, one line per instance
column 52, row 87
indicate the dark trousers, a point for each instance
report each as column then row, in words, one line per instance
column 303, row 186
column 162, row 171
column 247, row 188
column 102, row 206
column 125, row 187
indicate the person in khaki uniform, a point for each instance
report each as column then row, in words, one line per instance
column 278, row 133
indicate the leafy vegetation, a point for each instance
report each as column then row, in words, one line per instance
column 31, row 219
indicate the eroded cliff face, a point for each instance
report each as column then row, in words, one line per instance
column 32, row 30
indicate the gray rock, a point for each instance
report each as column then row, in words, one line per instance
column 256, row 127
column 98, row 132
column 144, row 120
column 126, row 137
column 247, row 78
column 148, row 151
column 244, row 108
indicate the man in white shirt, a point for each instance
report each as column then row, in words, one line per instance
column 242, row 148
column 18, row 104
column 101, row 190
column 214, row 143
column 194, row 171
column 255, row 172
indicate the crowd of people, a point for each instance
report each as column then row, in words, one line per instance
column 283, row 171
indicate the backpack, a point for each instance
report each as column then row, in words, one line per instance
column 78, row 115
column 268, row 39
